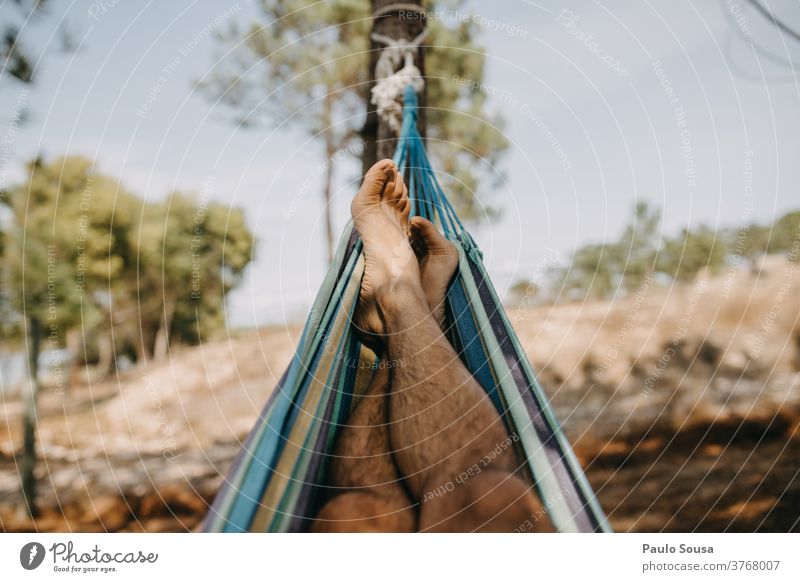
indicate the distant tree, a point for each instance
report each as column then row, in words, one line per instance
column 306, row 63
column 225, row 249
column 755, row 240
column 600, row 270
column 786, row 235
column 128, row 268
column 751, row 241
column 192, row 253
column 41, row 293
column 637, row 250
column 98, row 214
column 603, row 270
column 84, row 254
column 18, row 57
column 692, row 251
column 301, row 64
column 17, row 62
column 591, row 272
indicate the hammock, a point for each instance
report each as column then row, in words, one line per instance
column 277, row 482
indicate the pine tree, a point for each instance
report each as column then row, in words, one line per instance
column 308, row 63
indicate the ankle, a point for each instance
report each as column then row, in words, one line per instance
column 401, row 298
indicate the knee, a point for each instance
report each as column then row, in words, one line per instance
column 492, row 501
column 359, row 512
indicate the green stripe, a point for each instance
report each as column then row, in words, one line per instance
column 324, row 296
column 569, row 456
column 300, row 472
column 545, row 479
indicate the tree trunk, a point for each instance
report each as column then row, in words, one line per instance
column 106, row 360
column 29, row 420
column 379, row 140
column 140, row 349
column 77, row 357
column 161, row 348
column 327, row 188
column 328, row 192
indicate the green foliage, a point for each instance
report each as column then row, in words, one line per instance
column 18, row 62
column 591, row 273
column 303, row 63
column 642, row 253
column 780, row 237
column 692, row 251
column 637, row 249
column 42, row 246
column 598, row 270
column 307, row 63
column 786, row 236
column 460, row 129
column 192, row 253
column 86, row 254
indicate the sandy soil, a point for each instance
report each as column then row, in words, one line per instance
column 683, row 405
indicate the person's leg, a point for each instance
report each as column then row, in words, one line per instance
column 483, row 497
column 363, row 466
column 372, row 498
column 437, row 259
column 442, row 423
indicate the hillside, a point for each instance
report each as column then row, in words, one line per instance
column 683, row 405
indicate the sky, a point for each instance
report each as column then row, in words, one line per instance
column 691, row 106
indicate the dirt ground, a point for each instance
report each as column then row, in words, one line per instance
column 728, row 476
column 706, row 439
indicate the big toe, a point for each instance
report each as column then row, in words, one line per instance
column 375, row 181
column 403, row 208
column 425, row 234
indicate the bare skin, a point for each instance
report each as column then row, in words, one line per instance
column 374, row 499
column 437, row 258
column 441, row 424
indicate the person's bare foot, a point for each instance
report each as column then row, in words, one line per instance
column 380, row 212
column 438, row 259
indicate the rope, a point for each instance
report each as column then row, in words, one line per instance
column 397, row 7
column 390, row 82
column 278, row 481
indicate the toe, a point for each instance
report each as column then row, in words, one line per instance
column 394, row 187
column 434, row 242
column 376, row 179
column 416, row 241
column 372, row 188
column 404, row 195
column 404, row 208
column 399, row 187
column 427, row 232
column 382, row 170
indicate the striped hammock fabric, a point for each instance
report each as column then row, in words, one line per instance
column 277, row 482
